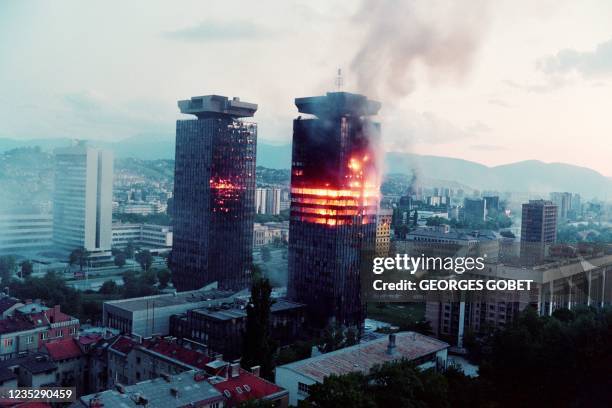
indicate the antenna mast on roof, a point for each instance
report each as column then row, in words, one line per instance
column 339, row 80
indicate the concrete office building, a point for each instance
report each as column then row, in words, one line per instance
column 474, row 210
column 334, row 201
column 268, row 201
column 538, row 230
column 83, row 198
column 150, row 315
column 25, row 233
column 383, row 231
column 214, row 194
column 565, row 283
column 563, row 201
column 149, row 236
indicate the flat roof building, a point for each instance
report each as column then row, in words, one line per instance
column 425, row 352
column 150, row 315
column 83, row 198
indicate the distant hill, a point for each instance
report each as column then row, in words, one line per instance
column 531, row 175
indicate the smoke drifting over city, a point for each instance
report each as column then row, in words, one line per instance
column 441, row 36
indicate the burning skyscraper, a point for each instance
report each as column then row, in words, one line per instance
column 214, row 194
column 334, row 200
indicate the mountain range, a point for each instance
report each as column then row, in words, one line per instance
column 524, row 176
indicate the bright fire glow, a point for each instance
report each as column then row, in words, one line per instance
column 355, row 201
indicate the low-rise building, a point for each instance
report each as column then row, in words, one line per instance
column 221, row 327
column 133, row 360
column 188, row 389
column 32, row 324
column 71, row 363
column 565, row 283
column 148, row 236
column 25, row 233
column 150, row 315
column 425, row 352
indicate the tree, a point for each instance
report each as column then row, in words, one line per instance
column 7, row 268
column 164, row 276
column 256, row 403
column 26, row 269
column 145, row 259
column 120, row 259
column 130, row 250
column 109, row 288
column 79, row 256
column 265, row 254
column 348, row 390
column 258, row 346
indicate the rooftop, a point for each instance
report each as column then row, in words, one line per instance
column 171, row 299
column 453, row 234
column 165, row 347
column 362, row 357
column 246, row 386
column 232, row 312
column 12, row 325
column 338, row 104
column 32, row 308
column 63, row 349
column 7, row 302
column 185, row 389
column 37, row 363
column 217, row 105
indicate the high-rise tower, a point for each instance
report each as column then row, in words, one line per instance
column 214, row 194
column 83, row 198
column 334, row 200
column 538, row 230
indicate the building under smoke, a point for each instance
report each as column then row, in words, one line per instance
column 334, row 199
column 214, row 194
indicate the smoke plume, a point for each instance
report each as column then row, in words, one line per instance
column 441, row 36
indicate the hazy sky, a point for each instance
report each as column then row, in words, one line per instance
column 492, row 81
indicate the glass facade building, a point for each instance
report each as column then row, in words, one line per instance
column 334, row 201
column 214, row 194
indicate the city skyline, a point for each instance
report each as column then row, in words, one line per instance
column 477, row 103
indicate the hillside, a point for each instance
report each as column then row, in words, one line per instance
column 531, row 175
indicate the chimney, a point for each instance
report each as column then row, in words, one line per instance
column 256, row 370
column 391, row 346
column 235, row 370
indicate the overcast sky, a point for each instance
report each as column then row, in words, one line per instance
column 492, row 81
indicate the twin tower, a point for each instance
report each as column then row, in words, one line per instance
column 335, row 182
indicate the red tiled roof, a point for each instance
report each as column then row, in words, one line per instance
column 124, row 344
column 63, row 349
column 12, row 325
column 176, row 351
column 250, row 386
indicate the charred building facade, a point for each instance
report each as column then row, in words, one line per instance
column 214, row 194
column 334, row 200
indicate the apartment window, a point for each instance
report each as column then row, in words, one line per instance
column 215, row 405
column 303, row 388
column 137, row 360
column 29, row 339
column 44, row 335
column 8, row 342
